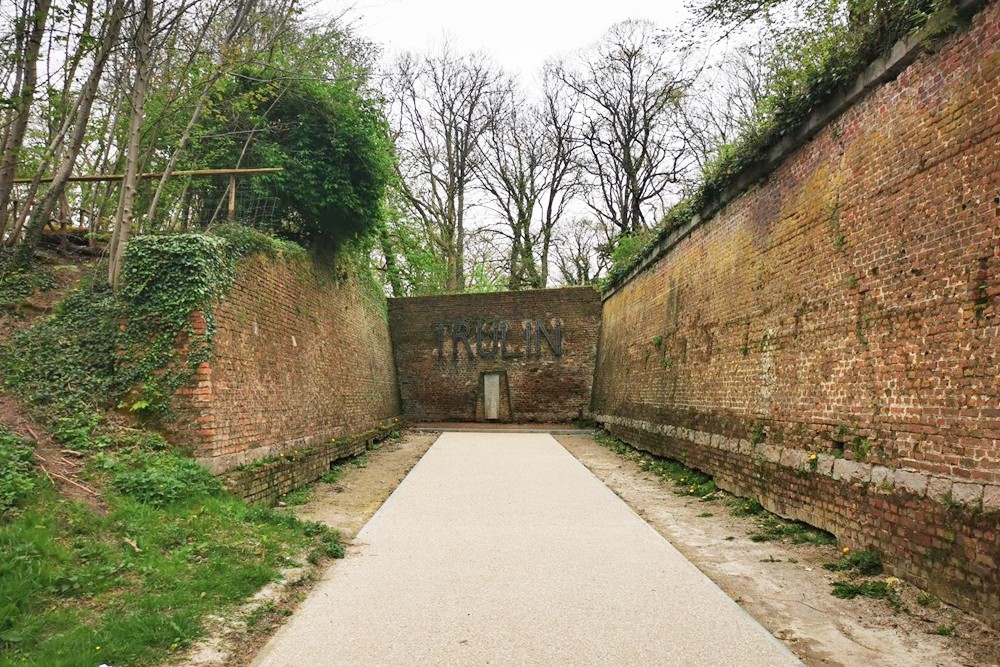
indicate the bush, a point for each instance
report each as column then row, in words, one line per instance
column 17, row 478
column 160, row 478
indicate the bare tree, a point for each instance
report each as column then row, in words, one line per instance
column 725, row 101
column 142, row 53
column 530, row 172
column 441, row 103
column 577, row 257
column 630, row 92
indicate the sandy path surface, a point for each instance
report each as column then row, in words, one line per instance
column 503, row 549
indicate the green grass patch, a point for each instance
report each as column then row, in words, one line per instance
column 689, row 482
column 17, row 478
column 944, row 630
column 773, row 528
column 848, row 590
column 128, row 587
column 299, row 496
column 863, row 563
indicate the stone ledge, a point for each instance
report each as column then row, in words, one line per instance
column 941, row 488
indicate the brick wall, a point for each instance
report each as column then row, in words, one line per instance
column 543, row 342
column 300, row 357
column 848, row 305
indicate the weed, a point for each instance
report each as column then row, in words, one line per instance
column 928, row 600
column 361, row 460
column 657, row 342
column 862, row 447
column 299, row 496
column 17, row 478
column 770, row 559
column 745, row 507
column 259, row 613
column 864, row 563
column 333, row 477
column 944, row 630
column 757, row 433
column 705, row 515
column 776, row 528
column 848, row 590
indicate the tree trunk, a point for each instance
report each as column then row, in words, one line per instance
column 123, row 225
column 41, row 211
column 25, row 98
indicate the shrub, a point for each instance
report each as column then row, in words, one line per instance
column 17, row 478
column 160, row 478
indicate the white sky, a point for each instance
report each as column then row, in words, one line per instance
column 520, row 34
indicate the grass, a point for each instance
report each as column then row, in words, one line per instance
column 863, row 563
column 848, row 590
column 688, row 481
column 944, row 630
column 774, row 528
column 297, row 497
column 129, row 586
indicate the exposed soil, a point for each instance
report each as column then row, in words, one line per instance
column 62, row 466
column 784, row 585
column 347, row 506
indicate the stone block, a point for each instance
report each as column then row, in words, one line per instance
column 939, row 488
column 967, row 494
column 910, row 481
column 851, row 471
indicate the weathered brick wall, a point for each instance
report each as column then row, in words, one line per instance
column 300, row 357
column 845, row 306
column 440, row 379
column 265, row 481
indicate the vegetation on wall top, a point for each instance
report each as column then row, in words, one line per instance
column 815, row 63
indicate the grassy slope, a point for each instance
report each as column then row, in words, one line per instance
column 128, row 580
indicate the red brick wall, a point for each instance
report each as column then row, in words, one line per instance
column 849, row 306
column 539, row 387
column 300, row 357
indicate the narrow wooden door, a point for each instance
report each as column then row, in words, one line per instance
column 491, row 398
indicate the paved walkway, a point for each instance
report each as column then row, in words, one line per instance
column 502, row 549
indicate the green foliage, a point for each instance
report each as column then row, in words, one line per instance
column 158, row 478
column 129, row 587
column 326, row 132
column 758, row 432
column 132, row 349
column 746, row 507
column 848, row 590
column 775, row 528
column 864, row 563
column 17, row 478
column 18, row 282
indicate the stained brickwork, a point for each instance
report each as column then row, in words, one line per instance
column 300, row 357
column 543, row 342
column 848, row 306
column 267, row 480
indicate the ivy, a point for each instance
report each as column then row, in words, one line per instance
column 135, row 348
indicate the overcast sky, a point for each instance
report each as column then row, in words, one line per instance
column 520, row 34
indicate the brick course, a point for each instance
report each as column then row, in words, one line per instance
column 847, row 305
column 540, row 387
column 300, row 357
